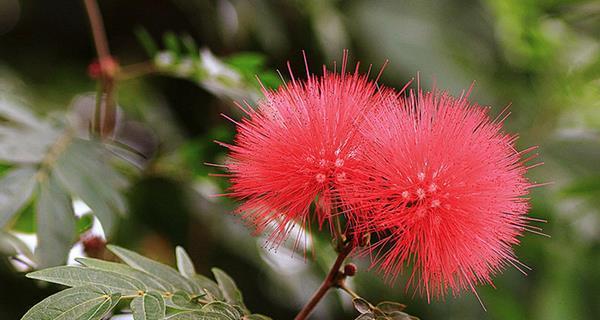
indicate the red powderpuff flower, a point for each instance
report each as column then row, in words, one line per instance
column 295, row 149
column 447, row 190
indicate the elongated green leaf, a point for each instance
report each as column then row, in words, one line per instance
column 74, row 276
column 83, row 170
column 56, row 224
column 197, row 315
column 85, row 223
column 171, row 42
column 182, row 301
column 146, row 41
column 16, row 187
column 208, row 286
column 390, row 306
column 16, row 113
column 82, row 303
column 187, row 315
column 588, row 186
column 361, row 305
column 256, row 316
column 399, row 315
column 151, row 282
column 366, row 316
column 9, row 242
column 184, row 263
column 26, row 145
column 156, row 269
column 150, row 306
column 25, row 222
column 222, row 308
column 230, row 291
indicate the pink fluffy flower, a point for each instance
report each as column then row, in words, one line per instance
column 447, row 190
column 294, row 150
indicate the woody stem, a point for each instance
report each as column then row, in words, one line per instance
column 98, row 32
column 107, row 82
column 330, row 281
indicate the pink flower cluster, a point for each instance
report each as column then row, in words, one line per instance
column 432, row 177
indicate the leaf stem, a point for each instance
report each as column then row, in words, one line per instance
column 341, row 285
column 349, row 291
column 330, row 281
column 136, row 70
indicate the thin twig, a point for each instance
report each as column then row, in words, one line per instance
column 98, row 32
column 136, row 70
column 104, row 122
column 342, row 286
column 349, row 291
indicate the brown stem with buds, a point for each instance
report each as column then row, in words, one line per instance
column 332, row 280
column 105, row 113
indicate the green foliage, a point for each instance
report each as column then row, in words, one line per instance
column 386, row 310
column 154, row 291
column 48, row 167
column 56, row 219
column 232, row 77
column 150, row 306
column 85, row 302
column 11, row 246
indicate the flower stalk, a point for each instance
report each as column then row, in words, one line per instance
column 332, row 280
column 105, row 112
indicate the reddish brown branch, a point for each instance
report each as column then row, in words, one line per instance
column 330, row 281
column 105, row 114
column 98, row 32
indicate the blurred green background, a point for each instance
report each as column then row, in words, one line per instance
column 543, row 57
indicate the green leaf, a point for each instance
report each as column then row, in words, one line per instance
column 588, row 186
column 154, row 268
column 399, row 315
column 184, row 263
column 11, row 245
column 222, row 308
column 16, row 187
column 182, row 301
column 146, row 41
column 366, row 316
column 246, row 62
column 361, row 305
column 83, row 170
column 56, row 221
column 230, row 291
column 187, row 315
column 26, row 145
column 390, row 306
column 171, row 42
column 150, row 306
column 256, row 316
column 82, row 303
column 150, row 282
column 25, row 221
column 208, row 286
column 13, row 112
column 85, row 223
column 197, row 315
column 189, row 45
column 73, row 276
